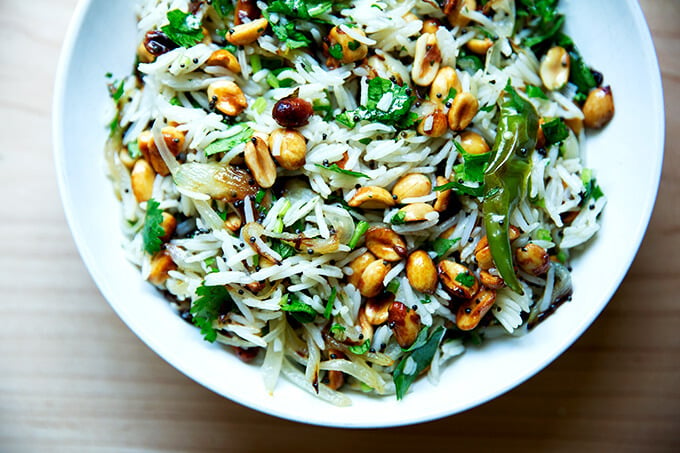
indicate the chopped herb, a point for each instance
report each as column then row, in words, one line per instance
column 362, row 348
column 536, row 92
column 353, row 45
column 283, row 249
column 580, row 75
column 175, row 101
column 152, row 231
column 211, row 264
column 335, row 328
column 451, row 95
column 230, row 47
column 543, row 235
column 474, row 191
column 487, row 108
column 422, row 357
column 591, row 189
column 393, row 286
column 116, row 90
column 427, row 300
column 473, row 166
column 300, row 9
column 542, row 18
column 224, row 8
column 255, row 63
column 335, row 168
column 562, row 257
column 133, row 150
column 554, row 131
column 398, row 218
column 207, row 307
column 329, row 303
column 259, row 196
column 336, row 51
column 469, row 63
column 299, row 310
column 365, row 141
column 397, row 113
column 358, row 233
column 465, row 279
column 184, row 29
column 442, row 245
column 225, row 144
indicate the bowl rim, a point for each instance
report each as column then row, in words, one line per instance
column 58, row 105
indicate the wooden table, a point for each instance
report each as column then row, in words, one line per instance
column 74, row 378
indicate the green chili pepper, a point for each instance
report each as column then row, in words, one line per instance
column 505, row 178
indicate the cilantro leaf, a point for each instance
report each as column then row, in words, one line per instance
column 473, row 166
column 225, row 144
column 396, row 113
column 542, row 18
column 421, row 339
column 580, row 74
column 299, row 310
column 207, row 307
column 329, row 303
column 591, row 189
column 133, row 150
column 336, row 51
column 358, row 233
column 535, row 92
column 442, row 245
column 460, row 188
column 224, row 8
column 300, row 9
column 543, row 235
column 152, row 231
column 398, row 218
column 361, row 349
column 465, row 279
column 393, row 286
column 283, row 249
column 421, row 357
column 335, row 168
column 554, row 131
column 184, row 29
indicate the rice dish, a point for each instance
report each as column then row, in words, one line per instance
column 349, row 194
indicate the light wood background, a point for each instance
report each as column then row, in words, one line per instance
column 74, row 378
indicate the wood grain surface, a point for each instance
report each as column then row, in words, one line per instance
column 74, row 378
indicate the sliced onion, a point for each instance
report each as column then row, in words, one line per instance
column 219, row 181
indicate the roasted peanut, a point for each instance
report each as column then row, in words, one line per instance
column 288, row 147
column 247, row 33
column 473, row 143
column 443, row 196
column 483, row 253
column 421, row 272
column 454, row 10
column 490, row 280
column 405, row 324
column 575, row 124
column 227, row 97
column 168, row 224
column 292, row 111
column 174, row 140
column 371, row 280
column 260, row 162
column 430, row 26
column 554, row 70
column 351, row 49
column 377, row 308
column 142, row 177
column 161, row 264
column 411, row 185
column 426, row 60
column 385, row 244
column 532, row 259
column 462, row 111
column 457, row 279
column 434, row 124
column 380, row 67
column 445, row 80
column 479, row 46
column 233, row 222
column 224, row 58
column 126, row 159
column 336, row 379
column 246, row 10
column 416, row 212
column 358, row 266
column 598, row 109
column 365, row 324
column 472, row 311
column 371, row 197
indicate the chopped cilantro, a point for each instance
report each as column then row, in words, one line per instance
column 260, row 105
column 225, row 144
column 175, row 101
column 469, row 63
column 362, row 348
column 465, row 279
column 451, row 95
column 473, row 166
column 398, row 218
column 329, row 304
column 543, row 235
column 358, row 233
column 116, row 90
column 393, row 286
column 184, row 29
column 421, row 339
column 542, row 18
column 336, row 328
column 224, row 8
column 580, row 75
column 535, row 92
column 152, row 231
column 211, row 264
column 335, row 168
column 353, row 45
column 255, row 63
column 283, row 249
column 133, row 150
column 259, row 196
column 336, row 51
column 299, row 310
column 397, row 113
column 300, row 9
column 554, row 131
column 458, row 187
column 422, row 357
column 443, row 245
column 207, row 307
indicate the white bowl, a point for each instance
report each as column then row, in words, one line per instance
column 627, row 155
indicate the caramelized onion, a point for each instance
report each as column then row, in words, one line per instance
column 219, row 181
